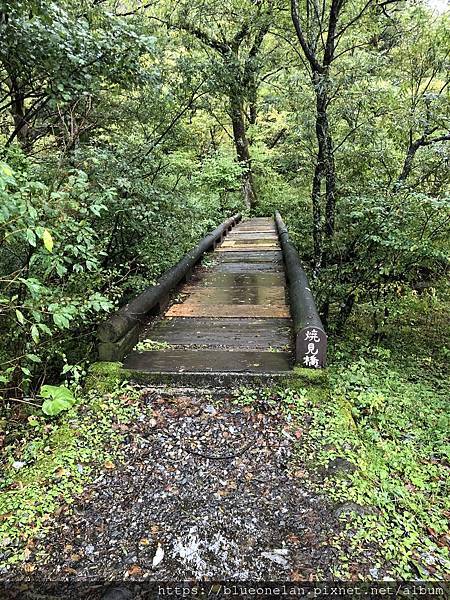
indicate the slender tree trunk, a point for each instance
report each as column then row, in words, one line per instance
column 317, row 212
column 414, row 145
column 330, row 192
column 325, row 169
column 409, row 159
column 242, row 151
column 21, row 125
column 345, row 312
column 253, row 102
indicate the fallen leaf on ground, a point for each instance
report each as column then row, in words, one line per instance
column 159, row 555
column 28, row 568
column 299, row 473
column 134, row 570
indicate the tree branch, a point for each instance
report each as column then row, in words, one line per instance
column 311, row 57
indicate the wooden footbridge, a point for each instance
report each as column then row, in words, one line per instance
column 245, row 310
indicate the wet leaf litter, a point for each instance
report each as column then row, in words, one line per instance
column 207, row 489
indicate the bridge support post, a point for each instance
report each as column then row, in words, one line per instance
column 115, row 351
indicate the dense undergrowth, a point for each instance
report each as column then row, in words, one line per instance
column 376, row 441
column 386, row 422
column 76, row 246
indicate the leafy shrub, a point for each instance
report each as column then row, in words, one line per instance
column 57, row 399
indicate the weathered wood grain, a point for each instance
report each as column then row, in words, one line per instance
column 241, row 235
column 243, row 248
column 237, row 295
column 275, row 256
column 239, row 279
column 220, row 333
column 198, row 361
column 227, row 310
column 255, row 230
column 255, row 242
column 243, row 267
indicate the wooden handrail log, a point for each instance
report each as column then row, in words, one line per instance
column 121, row 322
column 310, row 336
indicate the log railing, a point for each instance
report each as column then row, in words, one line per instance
column 310, row 336
column 120, row 332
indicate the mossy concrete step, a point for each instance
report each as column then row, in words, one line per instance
column 106, row 376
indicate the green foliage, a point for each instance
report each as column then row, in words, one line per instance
column 387, row 414
column 382, row 411
column 51, row 254
column 148, row 344
column 386, row 246
column 71, row 55
column 57, row 399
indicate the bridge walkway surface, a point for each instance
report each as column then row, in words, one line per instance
column 233, row 316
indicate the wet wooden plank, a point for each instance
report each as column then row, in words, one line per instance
column 241, row 235
column 227, row 310
column 200, row 361
column 243, row 248
column 259, row 220
column 235, row 267
column 245, row 232
column 271, row 291
column 257, row 242
column 253, row 225
column 251, row 257
column 209, row 279
column 253, row 231
column 238, row 295
column 231, row 333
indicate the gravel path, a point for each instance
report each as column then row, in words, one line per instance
column 208, row 490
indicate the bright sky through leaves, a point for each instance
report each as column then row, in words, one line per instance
column 439, row 6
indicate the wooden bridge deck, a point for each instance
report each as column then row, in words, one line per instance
column 233, row 316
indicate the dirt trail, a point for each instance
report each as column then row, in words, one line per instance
column 209, row 489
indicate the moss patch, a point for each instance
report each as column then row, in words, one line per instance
column 301, row 376
column 104, row 377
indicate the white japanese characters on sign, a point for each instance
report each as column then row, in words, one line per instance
column 310, row 359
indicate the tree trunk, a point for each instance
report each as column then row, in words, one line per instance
column 21, row 126
column 325, row 169
column 409, row 159
column 345, row 312
column 330, row 192
column 317, row 212
column 242, row 151
column 253, row 101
